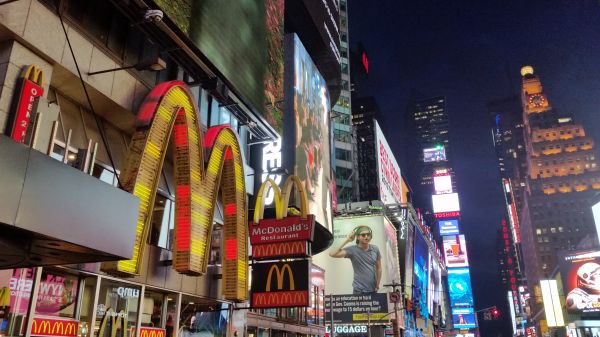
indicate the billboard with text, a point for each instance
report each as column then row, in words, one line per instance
column 455, row 251
column 390, row 178
column 580, row 271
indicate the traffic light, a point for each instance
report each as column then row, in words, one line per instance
column 495, row 313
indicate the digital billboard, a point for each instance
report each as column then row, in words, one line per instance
column 434, row 154
column 596, row 214
column 463, row 318
column 274, row 67
column 445, row 203
column 390, row 179
column 305, row 147
column 233, row 37
column 442, row 183
column 421, row 274
column 581, row 281
column 362, row 258
column 459, row 286
column 448, row 227
column 455, row 251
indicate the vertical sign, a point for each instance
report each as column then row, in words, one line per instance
column 29, row 89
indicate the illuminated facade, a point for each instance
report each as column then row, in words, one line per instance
column 124, row 203
column 562, row 177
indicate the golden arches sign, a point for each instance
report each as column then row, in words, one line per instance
column 282, row 198
column 170, row 109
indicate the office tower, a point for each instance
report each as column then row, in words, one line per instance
column 344, row 146
column 365, row 111
column 562, row 176
column 428, row 146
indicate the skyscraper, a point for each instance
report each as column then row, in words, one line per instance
column 562, row 176
column 345, row 178
column 365, row 112
column 430, row 143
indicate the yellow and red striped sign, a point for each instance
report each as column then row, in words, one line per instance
column 152, row 332
column 170, row 110
column 54, row 327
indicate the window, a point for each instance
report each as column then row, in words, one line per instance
column 118, row 296
column 163, row 222
column 19, row 282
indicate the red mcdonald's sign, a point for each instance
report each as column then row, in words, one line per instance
column 54, row 327
column 29, row 88
column 152, row 332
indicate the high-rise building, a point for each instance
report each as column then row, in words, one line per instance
column 430, row 143
column 344, row 146
column 561, row 178
column 365, row 112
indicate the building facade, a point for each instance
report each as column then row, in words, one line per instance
column 93, row 94
column 562, row 177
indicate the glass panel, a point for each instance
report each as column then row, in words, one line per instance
column 15, row 291
column 88, row 286
column 206, row 319
column 152, row 309
column 57, row 294
column 116, row 297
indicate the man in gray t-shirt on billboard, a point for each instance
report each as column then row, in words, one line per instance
column 365, row 258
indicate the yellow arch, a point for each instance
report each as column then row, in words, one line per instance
column 282, row 198
column 170, row 109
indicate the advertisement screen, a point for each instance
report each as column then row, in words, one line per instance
column 445, row 203
column 581, row 281
column 459, row 286
column 463, row 318
column 308, row 125
column 448, row 227
column 390, row 179
column 434, row 154
column 232, row 35
column 442, row 184
column 455, row 251
column 421, row 274
column 596, row 214
column 352, row 271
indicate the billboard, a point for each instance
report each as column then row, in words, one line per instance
column 421, row 274
column 280, row 284
column 581, row 281
column 463, row 318
column 306, row 150
column 596, row 214
column 368, row 247
column 455, row 251
column 459, row 286
column 442, row 183
column 448, row 227
column 434, row 154
column 233, row 37
column 390, row 179
column 445, row 203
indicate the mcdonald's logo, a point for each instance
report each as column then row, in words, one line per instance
column 29, row 88
column 54, row 327
column 294, row 248
column 280, row 284
column 170, row 109
column 152, row 332
column 118, row 323
column 266, row 233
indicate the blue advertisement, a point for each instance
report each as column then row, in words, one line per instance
column 464, row 318
column 459, row 286
column 421, row 270
column 448, row 227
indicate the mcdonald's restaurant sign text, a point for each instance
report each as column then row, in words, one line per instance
column 29, row 88
column 280, row 284
column 54, row 327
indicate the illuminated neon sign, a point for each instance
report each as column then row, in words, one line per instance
column 170, row 110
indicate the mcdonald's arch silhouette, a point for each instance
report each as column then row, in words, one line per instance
column 54, row 327
column 170, row 111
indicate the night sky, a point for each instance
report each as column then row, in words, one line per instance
column 471, row 52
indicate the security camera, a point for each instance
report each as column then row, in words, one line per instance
column 153, row 15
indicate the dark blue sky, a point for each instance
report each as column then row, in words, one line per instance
column 471, row 51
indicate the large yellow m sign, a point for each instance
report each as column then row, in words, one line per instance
column 169, row 110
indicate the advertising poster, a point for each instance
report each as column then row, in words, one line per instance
column 442, row 183
column 459, row 286
column 445, row 203
column 352, row 271
column 448, row 227
column 455, row 251
column 434, row 154
column 581, row 281
column 464, row 318
column 435, row 285
column 306, row 150
column 390, row 178
column 421, row 274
